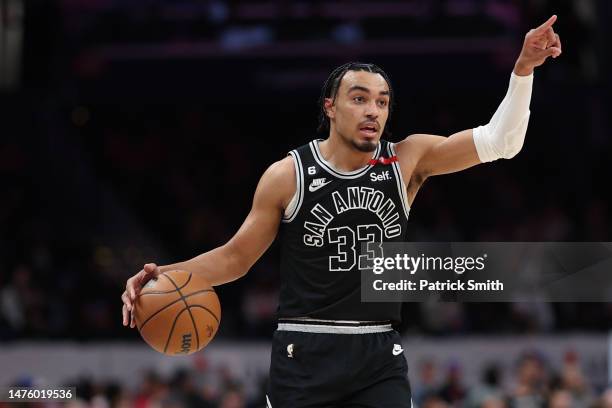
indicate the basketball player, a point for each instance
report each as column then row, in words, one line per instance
column 327, row 198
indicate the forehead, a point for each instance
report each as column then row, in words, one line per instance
column 373, row 81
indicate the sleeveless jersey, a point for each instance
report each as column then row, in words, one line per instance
column 331, row 216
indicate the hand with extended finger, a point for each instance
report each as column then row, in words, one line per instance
column 540, row 43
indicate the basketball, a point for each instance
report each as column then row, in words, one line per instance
column 178, row 313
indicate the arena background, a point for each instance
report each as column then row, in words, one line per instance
column 136, row 131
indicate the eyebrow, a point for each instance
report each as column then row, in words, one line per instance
column 364, row 89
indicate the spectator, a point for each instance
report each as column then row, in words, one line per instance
column 573, row 380
column 530, row 389
column 453, row 391
column 563, row 399
column 606, row 399
column 427, row 383
column 434, row 401
column 488, row 392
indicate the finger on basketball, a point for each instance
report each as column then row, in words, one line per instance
column 126, row 301
column 150, row 268
column 129, row 288
column 124, row 314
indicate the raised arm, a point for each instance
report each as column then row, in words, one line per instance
column 503, row 137
column 233, row 259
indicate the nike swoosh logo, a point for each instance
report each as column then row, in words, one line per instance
column 312, row 188
column 397, row 351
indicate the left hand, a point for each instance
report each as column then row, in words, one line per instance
column 540, row 43
column 132, row 290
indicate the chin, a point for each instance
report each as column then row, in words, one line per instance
column 366, row 145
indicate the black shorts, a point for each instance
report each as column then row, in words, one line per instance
column 338, row 370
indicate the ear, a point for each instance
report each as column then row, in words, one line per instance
column 330, row 108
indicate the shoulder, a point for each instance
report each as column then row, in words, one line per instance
column 416, row 144
column 282, row 168
column 414, row 147
column 411, row 149
column 279, row 181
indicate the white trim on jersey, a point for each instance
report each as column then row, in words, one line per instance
column 296, row 201
column 401, row 186
column 268, row 403
column 316, row 153
column 320, row 328
column 305, row 320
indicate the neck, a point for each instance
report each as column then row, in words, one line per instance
column 342, row 155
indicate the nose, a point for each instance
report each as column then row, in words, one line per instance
column 372, row 110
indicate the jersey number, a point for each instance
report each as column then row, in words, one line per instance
column 344, row 237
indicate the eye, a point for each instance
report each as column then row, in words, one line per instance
column 359, row 99
column 383, row 103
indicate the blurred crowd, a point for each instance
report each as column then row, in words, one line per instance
column 531, row 383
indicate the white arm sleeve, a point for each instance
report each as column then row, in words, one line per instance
column 504, row 135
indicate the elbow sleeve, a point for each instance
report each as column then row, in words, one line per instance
column 504, row 135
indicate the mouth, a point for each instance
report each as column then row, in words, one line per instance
column 369, row 130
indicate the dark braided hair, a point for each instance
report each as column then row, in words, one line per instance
column 332, row 84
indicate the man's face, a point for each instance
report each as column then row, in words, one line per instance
column 530, row 370
column 361, row 109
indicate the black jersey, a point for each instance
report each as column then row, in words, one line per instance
column 331, row 216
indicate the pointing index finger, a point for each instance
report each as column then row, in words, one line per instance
column 547, row 24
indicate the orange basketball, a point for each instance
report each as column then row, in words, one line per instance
column 177, row 313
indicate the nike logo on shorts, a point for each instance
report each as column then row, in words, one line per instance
column 397, row 349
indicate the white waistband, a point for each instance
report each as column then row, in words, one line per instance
column 334, row 329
